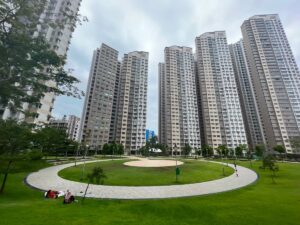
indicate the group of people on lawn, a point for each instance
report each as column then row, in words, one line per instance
column 68, row 197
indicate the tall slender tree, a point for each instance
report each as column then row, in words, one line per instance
column 96, row 175
column 27, row 62
column 15, row 139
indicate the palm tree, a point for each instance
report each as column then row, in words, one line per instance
column 98, row 175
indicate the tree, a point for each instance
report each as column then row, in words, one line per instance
column 295, row 142
column 207, row 150
column 106, row 150
column 51, row 140
column 269, row 163
column 152, row 142
column 120, row 149
column 15, row 139
column 259, row 150
column 238, row 151
column 279, row 148
column 98, row 175
column 29, row 67
column 222, row 150
column 147, row 148
column 249, row 155
column 187, row 150
column 113, row 148
column 163, row 148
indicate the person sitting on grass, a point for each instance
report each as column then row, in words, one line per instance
column 51, row 194
column 69, row 198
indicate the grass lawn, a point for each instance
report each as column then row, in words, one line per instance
column 192, row 171
column 262, row 203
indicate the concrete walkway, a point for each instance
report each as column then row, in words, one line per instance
column 48, row 178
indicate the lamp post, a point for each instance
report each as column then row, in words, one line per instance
column 83, row 168
column 76, row 157
column 177, row 169
column 113, row 150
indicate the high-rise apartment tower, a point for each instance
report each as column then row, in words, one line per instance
column 178, row 119
column 275, row 78
column 98, row 105
column 221, row 111
column 116, row 103
column 132, row 101
column 246, row 94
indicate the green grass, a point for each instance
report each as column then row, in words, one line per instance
column 22, row 166
column 262, row 203
column 72, row 158
column 192, row 171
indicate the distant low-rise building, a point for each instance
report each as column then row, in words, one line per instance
column 60, row 124
column 73, row 127
column 70, row 126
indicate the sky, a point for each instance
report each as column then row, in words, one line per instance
column 152, row 25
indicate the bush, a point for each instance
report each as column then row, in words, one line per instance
column 35, row 155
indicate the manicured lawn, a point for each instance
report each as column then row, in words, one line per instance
column 192, row 171
column 262, row 203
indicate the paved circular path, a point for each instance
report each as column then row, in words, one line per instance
column 48, row 178
column 152, row 163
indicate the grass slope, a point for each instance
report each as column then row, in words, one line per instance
column 191, row 171
column 263, row 203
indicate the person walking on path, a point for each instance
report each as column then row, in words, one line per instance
column 236, row 172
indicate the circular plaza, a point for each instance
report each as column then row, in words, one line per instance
column 125, row 185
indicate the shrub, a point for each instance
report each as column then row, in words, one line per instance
column 35, row 155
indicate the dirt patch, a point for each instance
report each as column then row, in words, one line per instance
column 153, row 163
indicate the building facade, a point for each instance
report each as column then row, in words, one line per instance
column 59, row 124
column 161, row 106
column 116, row 102
column 132, row 101
column 179, row 122
column 221, row 111
column 69, row 125
column 98, row 105
column 275, row 78
column 59, row 40
column 73, row 127
column 245, row 88
column 114, row 113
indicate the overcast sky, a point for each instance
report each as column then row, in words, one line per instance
column 151, row 25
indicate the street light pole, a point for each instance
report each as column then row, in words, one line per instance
column 76, row 157
column 176, row 170
column 83, row 168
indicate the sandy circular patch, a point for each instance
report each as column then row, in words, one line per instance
column 153, row 163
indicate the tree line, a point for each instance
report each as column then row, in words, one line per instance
column 241, row 151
